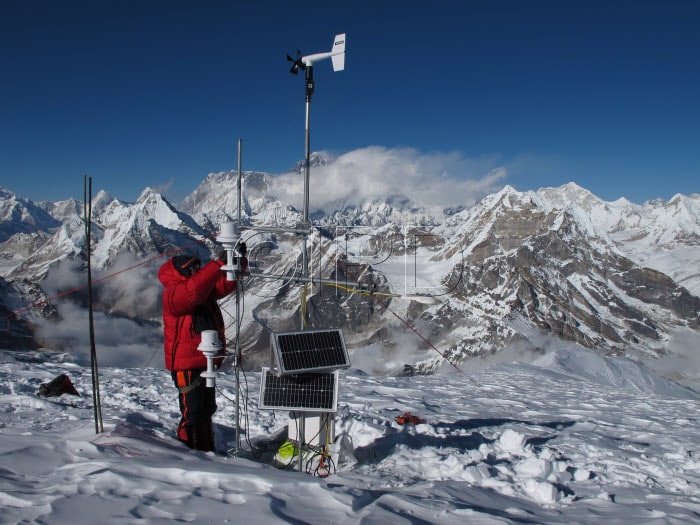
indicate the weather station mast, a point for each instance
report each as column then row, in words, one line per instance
column 303, row 374
column 306, row 64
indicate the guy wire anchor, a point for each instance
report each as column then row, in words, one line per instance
column 210, row 347
column 228, row 238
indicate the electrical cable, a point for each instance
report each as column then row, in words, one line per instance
column 257, row 451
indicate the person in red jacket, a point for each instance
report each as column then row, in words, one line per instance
column 189, row 307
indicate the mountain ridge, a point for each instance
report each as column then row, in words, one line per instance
column 567, row 263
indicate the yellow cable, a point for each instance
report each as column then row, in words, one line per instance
column 303, row 305
column 361, row 292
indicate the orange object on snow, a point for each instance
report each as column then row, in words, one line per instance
column 409, row 419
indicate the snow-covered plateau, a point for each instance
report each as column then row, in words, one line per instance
column 572, row 437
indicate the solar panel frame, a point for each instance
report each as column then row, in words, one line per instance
column 307, row 392
column 310, row 351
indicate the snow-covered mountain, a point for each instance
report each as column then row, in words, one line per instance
column 511, row 271
column 22, row 216
column 545, row 259
column 658, row 234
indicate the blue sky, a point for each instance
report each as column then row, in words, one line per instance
column 155, row 93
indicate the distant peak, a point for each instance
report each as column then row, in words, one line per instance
column 677, row 198
column 571, row 185
column 570, row 192
column 102, row 195
column 508, row 189
column 623, row 201
column 101, row 200
column 317, row 158
column 5, row 193
column 148, row 192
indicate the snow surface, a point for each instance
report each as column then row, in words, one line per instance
column 572, row 437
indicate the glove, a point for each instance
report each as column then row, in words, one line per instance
column 242, row 249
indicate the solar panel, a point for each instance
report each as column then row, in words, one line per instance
column 310, row 392
column 310, row 351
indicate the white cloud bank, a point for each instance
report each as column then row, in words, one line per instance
column 437, row 180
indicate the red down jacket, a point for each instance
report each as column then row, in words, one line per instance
column 183, row 299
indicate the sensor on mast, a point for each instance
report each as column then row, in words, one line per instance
column 336, row 54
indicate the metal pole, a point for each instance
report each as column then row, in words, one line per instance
column 304, row 255
column 97, row 405
column 302, row 437
column 238, row 367
column 240, row 150
column 415, row 261
column 238, row 317
column 307, row 163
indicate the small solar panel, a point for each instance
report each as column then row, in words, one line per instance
column 310, row 351
column 310, row 392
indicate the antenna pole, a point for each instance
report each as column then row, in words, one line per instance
column 238, row 363
column 238, row 183
column 97, row 404
column 304, row 255
column 238, row 313
column 307, row 164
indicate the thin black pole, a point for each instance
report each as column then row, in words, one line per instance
column 239, row 284
column 238, row 179
column 97, row 405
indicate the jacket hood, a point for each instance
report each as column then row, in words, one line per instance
column 168, row 274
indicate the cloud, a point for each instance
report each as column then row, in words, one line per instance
column 164, row 188
column 390, row 359
column 520, row 351
column 64, row 277
column 119, row 342
column 134, row 293
column 682, row 360
column 437, row 180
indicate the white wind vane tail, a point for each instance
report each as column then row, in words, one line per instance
column 338, row 53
